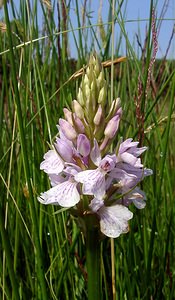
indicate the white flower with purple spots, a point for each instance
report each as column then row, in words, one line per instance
column 113, row 219
column 52, row 164
column 64, row 194
column 93, row 181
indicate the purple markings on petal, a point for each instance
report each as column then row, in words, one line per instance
column 114, row 220
column 108, row 163
column 96, row 204
column 83, row 145
column 52, row 163
column 93, row 182
column 64, row 194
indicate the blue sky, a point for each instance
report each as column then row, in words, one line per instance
column 134, row 10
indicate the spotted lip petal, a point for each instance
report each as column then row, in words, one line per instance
column 64, row 194
column 52, row 163
column 114, row 220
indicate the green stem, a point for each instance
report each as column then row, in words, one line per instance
column 93, row 260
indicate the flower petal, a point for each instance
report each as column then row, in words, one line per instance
column 108, row 163
column 113, row 124
column 95, row 154
column 64, row 194
column 56, row 179
column 114, row 220
column 96, row 204
column 138, row 197
column 128, row 158
column 52, row 163
column 93, row 182
column 83, row 145
column 64, row 149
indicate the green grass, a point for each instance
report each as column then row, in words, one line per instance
column 42, row 249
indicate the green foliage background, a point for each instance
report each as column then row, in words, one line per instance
column 42, row 249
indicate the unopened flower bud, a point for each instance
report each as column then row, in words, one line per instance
column 80, row 97
column 64, row 149
column 78, row 124
column 87, row 91
column 88, row 71
column 78, row 109
column 102, row 96
column 68, row 115
column 93, row 87
column 97, row 68
column 83, row 145
column 85, row 80
column 98, row 115
column 67, row 129
column 112, row 127
column 100, row 79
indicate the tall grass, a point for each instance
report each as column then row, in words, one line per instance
column 42, row 249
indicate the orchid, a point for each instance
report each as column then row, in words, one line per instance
column 80, row 165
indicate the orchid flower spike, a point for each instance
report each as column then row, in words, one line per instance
column 83, row 173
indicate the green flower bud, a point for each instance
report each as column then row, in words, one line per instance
column 87, row 92
column 101, row 80
column 102, row 96
column 86, row 80
column 78, row 109
column 98, row 115
column 80, row 97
